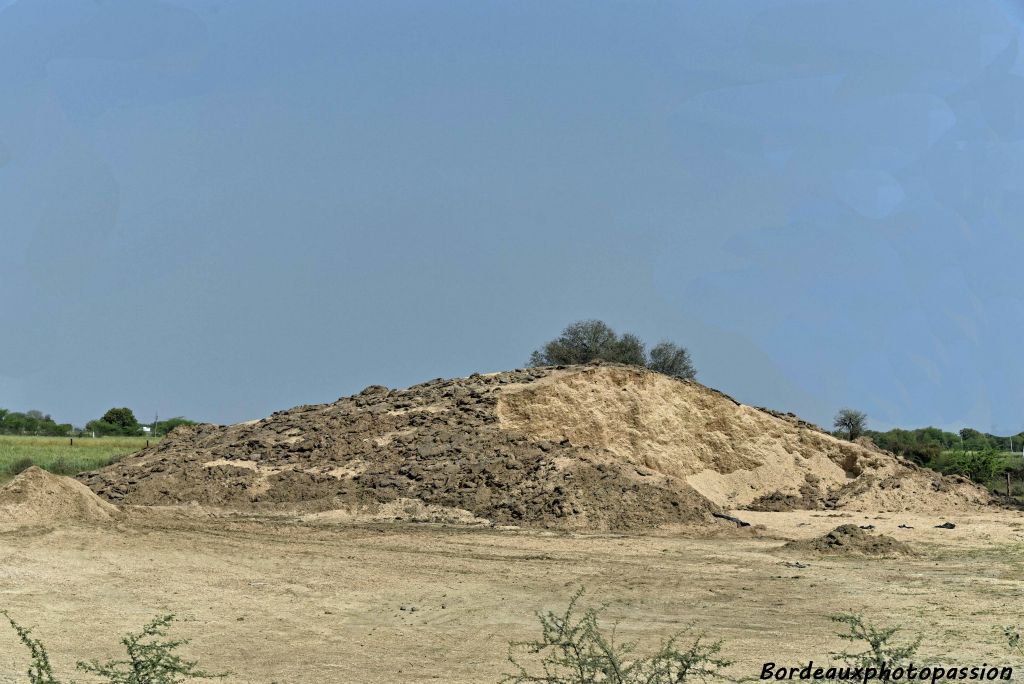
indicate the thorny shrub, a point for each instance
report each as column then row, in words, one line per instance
column 881, row 646
column 573, row 649
column 151, row 658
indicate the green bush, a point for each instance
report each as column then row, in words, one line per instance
column 980, row 466
column 39, row 670
column 586, row 341
column 881, row 646
column 151, row 658
column 20, row 465
column 921, row 453
column 573, row 649
column 165, row 426
column 62, row 466
column 671, row 359
column 113, row 458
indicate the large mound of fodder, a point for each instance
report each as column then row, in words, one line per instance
column 588, row 447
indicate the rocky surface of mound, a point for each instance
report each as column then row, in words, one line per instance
column 851, row 540
column 441, row 442
column 593, row 447
column 36, row 496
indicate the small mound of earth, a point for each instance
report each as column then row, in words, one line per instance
column 36, row 496
column 808, row 497
column 851, row 540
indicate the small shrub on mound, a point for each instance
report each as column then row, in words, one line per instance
column 573, row 649
column 152, row 658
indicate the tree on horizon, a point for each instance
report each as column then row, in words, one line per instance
column 594, row 340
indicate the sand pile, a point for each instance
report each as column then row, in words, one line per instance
column 851, row 540
column 588, row 447
column 734, row 455
column 36, row 496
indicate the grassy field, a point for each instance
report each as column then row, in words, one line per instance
column 57, row 455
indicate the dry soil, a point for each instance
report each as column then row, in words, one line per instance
column 293, row 601
column 409, row 535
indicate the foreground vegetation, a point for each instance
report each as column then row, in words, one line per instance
column 573, row 648
column 63, row 455
column 152, row 658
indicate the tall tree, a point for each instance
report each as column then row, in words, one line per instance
column 116, row 421
column 851, row 422
column 582, row 342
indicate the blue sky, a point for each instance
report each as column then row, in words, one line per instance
column 222, row 208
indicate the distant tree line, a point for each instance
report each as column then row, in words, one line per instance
column 974, row 454
column 115, row 422
column 122, row 422
column 586, row 341
column 925, row 444
column 32, row 423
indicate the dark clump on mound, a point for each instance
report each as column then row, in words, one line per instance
column 810, row 497
column 439, row 442
column 850, row 539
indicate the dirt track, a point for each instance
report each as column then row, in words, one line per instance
column 294, row 603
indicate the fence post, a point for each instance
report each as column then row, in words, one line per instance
column 1007, row 483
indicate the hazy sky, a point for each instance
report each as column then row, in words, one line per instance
column 223, row 208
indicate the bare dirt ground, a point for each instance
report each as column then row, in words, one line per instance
column 280, row 600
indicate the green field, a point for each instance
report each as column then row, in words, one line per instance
column 57, row 455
